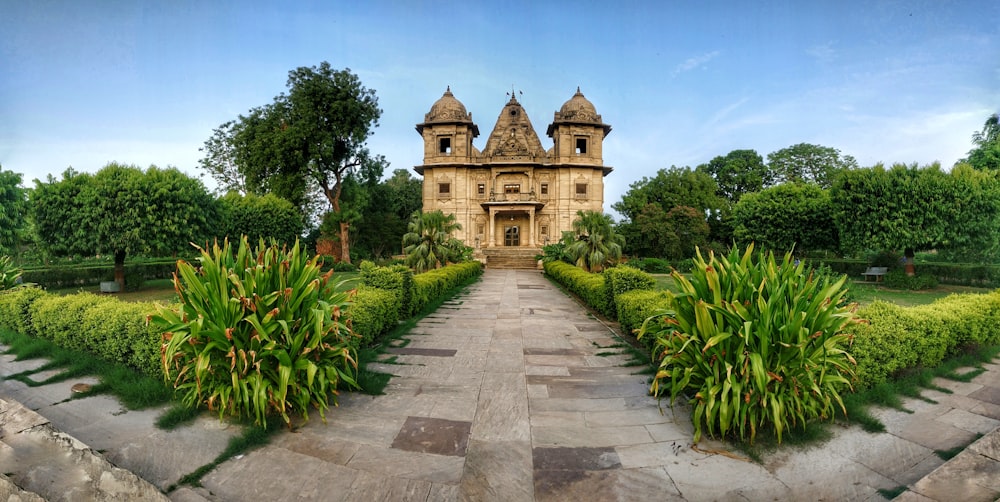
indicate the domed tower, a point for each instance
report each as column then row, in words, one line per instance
column 578, row 133
column 448, row 131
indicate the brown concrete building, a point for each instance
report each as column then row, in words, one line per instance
column 513, row 196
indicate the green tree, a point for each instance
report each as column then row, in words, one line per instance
column 122, row 210
column 670, row 188
column 429, row 243
column 910, row 208
column 789, row 216
column 595, row 245
column 259, row 217
column 13, row 206
column 808, row 163
column 986, row 154
column 739, row 172
column 670, row 234
column 311, row 138
column 385, row 214
column 676, row 186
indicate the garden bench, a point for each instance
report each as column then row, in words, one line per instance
column 876, row 272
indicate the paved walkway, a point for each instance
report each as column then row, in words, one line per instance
column 507, row 393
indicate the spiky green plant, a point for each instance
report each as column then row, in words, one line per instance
column 9, row 274
column 755, row 342
column 258, row 331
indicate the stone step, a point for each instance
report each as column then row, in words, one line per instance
column 40, row 463
column 512, row 257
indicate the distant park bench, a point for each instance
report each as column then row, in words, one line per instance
column 876, row 272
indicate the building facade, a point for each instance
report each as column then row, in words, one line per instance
column 513, row 193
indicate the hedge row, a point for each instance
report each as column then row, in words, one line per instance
column 390, row 293
column 963, row 274
column 68, row 276
column 589, row 287
column 117, row 331
column 634, row 307
column 112, row 329
column 611, row 293
column 900, row 338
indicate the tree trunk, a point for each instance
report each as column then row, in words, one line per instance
column 909, row 255
column 120, row 270
column 345, row 249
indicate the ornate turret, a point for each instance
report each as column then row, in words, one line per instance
column 448, row 131
column 578, row 132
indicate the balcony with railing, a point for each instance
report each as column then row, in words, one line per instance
column 515, row 198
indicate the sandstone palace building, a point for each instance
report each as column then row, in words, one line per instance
column 512, row 196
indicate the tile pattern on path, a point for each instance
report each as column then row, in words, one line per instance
column 507, row 393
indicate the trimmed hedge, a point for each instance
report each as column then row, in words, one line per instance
column 589, row 287
column 635, row 306
column 372, row 313
column 390, row 293
column 963, row 274
column 622, row 279
column 15, row 305
column 396, row 278
column 105, row 326
column 68, row 276
column 431, row 285
column 899, row 338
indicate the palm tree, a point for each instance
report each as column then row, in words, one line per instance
column 429, row 243
column 597, row 245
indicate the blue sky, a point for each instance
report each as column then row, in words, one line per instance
column 83, row 83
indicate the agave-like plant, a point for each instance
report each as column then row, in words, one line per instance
column 754, row 343
column 258, row 331
column 9, row 274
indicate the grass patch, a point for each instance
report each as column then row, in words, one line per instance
column 135, row 390
column 950, row 453
column 865, row 293
column 767, row 440
column 252, row 437
column 176, row 416
column 892, row 493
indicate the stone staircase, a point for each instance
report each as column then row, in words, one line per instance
column 512, row 257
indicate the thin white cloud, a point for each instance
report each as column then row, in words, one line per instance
column 823, row 53
column 695, row 62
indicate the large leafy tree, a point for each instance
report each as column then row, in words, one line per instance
column 13, row 206
column 789, row 216
column 647, row 229
column 593, row 244
column 122, row 210
column 672, row 234
column 986, row 154
column 675, row 186
column 429, row 243
column 386, row 211
column 739, row 172
column 913, row 208
column 312, row 138
column 809, row 163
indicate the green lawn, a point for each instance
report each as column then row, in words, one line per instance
column 865, row 293
column 162, row 290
